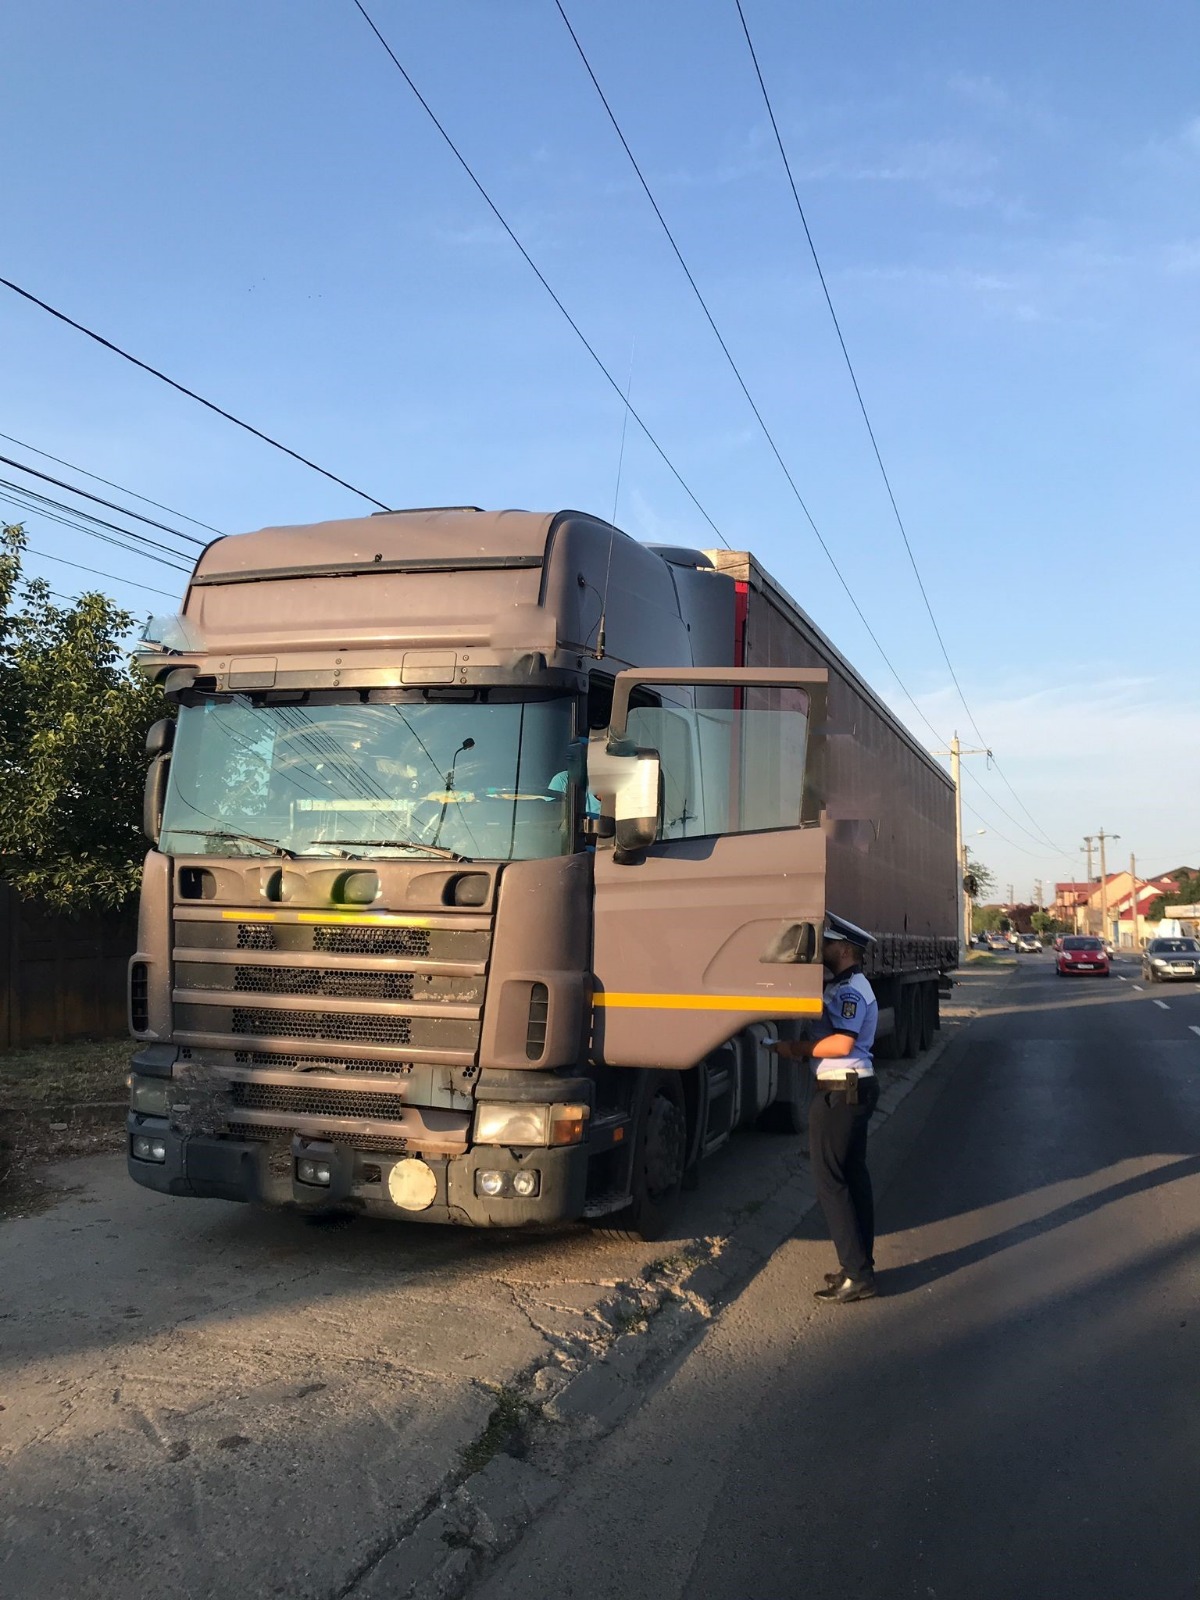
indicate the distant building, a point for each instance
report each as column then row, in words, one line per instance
column 1128, row 926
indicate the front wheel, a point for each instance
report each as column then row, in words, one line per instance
column 659, row 1155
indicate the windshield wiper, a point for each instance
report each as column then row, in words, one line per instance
column 395, row 844
column 272, row 845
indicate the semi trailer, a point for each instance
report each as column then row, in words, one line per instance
column 487, row 850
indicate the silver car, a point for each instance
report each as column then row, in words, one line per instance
column 1171, row 958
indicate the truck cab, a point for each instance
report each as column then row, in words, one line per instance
column 481, row 867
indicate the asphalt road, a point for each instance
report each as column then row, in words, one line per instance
column 205, row 1400
column 1017, row 1414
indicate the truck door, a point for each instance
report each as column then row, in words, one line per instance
column 710, row 897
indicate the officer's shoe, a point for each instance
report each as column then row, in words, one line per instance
column 836, row 1277
column 845, row 1291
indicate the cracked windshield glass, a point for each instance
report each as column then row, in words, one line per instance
column 486, row 781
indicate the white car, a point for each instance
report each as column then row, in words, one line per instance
column 1029, row 944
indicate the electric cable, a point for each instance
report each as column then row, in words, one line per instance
column 866, row 416
column 44, row 555
column 190, row 393
column 542, row 279
column 111, row 505
column 95, row 476
column 70, row 516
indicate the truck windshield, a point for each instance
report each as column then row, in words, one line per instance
column 485, row 781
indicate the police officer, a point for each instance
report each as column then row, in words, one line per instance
column 845, row 1093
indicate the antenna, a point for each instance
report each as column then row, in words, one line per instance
column 612, row 521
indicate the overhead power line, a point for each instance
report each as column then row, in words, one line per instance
column 84, row 522
column 191, row 393
column 758, row 416
column 96, row 478
column 111, row 505
column 537, row 272
column 862, row 406
column 44, row 555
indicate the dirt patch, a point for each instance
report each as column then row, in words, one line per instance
column 56, row 1102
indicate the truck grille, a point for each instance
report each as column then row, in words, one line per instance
column 311, row 1102
column 286, row 1063
column 312, row 980
column 264, row 1133
column 336, row 1026
column 344, row 988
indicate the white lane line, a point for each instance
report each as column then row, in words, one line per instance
column 1138, row 987
column 1162, row 1004
column 1122, row 977
column 1193, row 1027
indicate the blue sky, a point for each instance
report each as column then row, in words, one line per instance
column 1005, row 200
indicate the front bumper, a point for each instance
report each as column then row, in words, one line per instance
column 1164, row 975
column 205, row 1167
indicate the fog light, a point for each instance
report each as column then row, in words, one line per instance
column 491, row 1183
column 146, row 1148
column 525, row 1184
column 315, row 1172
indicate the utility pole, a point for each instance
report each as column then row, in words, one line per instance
column 1133, row 891
column 1102, row 836
column 1089, row 844
column 956, row 752
column 1037, row 893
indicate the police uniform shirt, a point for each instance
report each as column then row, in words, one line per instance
column 850, row 1007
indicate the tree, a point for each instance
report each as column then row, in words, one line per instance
column 1044, row 925
column 73, row 721
column 1185, row 893
column 981, row 880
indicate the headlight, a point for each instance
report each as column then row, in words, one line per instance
column 1158, row 961
column 149, row 1096
column 497, row 1123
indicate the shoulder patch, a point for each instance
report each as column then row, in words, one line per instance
column 849, row 1007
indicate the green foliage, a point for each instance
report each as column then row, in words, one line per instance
column 73, row 720
column 988, row 919
column 1046, row 926
column 984, row 880
column 1185, row 893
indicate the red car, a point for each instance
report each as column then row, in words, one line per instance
column 1082, row 953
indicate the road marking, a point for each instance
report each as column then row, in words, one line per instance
column 1163, row 1004
column 1193, row 1027
column 1122, row 977
column 1138, row 987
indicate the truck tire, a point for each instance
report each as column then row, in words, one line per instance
column 659, row 1156
column 908, row 1023
column 782, row 1116
column 926, row 1003
column 786, row 1114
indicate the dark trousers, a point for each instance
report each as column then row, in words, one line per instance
column 837, row 1147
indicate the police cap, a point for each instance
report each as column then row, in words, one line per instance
column 839, row 930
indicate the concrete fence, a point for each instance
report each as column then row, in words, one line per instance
column 61, row 977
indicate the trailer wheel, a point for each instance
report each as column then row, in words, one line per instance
column 908, row 1023
column 926, row 1004
column 659, row 1155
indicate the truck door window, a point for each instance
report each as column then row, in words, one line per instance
column 726, row 768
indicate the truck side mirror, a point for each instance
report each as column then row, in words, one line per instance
column 626, row 781
column 160, row 736
column 153, row 796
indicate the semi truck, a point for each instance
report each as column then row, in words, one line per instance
column 488, row 852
